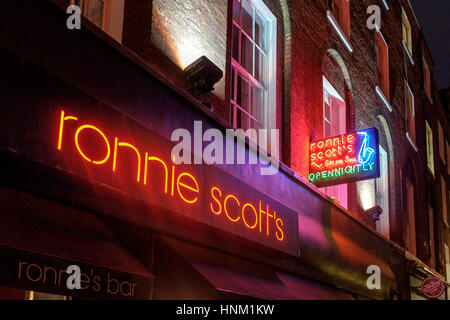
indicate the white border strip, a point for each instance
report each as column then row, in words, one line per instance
column 412, row 143
column 339, row 31
column 407, row 52
column 386, row 102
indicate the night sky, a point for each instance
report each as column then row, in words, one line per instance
column 434, row 17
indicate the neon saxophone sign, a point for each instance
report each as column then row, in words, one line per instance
column 343, row 159
column 176, row 185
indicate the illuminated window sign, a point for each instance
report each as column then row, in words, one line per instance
column 345, row 158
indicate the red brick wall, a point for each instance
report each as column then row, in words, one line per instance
column 312, row 37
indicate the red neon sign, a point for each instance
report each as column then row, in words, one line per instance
column 182, row 185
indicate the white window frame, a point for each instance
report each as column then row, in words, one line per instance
column 408, row 136
column 268, row 113
column 405, row 45
column 335, row 24
column 340, row 192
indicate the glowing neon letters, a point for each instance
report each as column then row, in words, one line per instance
column 94, row 146
column 343, row 159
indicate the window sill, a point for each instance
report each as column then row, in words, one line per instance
column 339, row 31
column 407, row 52
column 411, row 142
column 383, row 97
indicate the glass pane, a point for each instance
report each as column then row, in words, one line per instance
column 94, row 12
column 260, row 32
column 246, row 54
column 233, row 98
column 236, row 8
column 257, row 103
column 327, row 129
column 259, row 66
column 238, row 118
column 245, row 95
column 335, row 124
column 327, row 108
column 247, row 18
column 235, row 43
column 239, row 90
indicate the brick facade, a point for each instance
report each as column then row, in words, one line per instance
column 163, row 32
column 169, row 34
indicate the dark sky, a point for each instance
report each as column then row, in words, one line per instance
column 434, row 18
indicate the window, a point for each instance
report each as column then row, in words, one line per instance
column 341, row 12
column 447, row 267
column 339, row 17
column 430, row 150
column 383, row 69
column 407, row 35
column 334, row 124
column 444, row 201
column 382, row 194
column 106, row 14
column 410, row 116
column 253, row 77
column 411, row 225
column 427, row 80
column 441, row 142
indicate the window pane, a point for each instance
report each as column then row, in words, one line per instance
column 327, row 129
column 94, row 12
column 235, row 43
column 260, row 32
column 243, row 93
column 245, row 102
column 247, row 18
column 233, row 98
column 257, row 103
column 238, row 118
column 239, row 90
column 236, row 8
column 246, row 54
column 259, row 66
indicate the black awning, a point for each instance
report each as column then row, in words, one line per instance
column 237, row 276
column 45, row 227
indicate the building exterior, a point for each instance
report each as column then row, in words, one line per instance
column 87, row 117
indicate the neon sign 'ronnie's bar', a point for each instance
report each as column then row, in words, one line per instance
column 343, row 159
